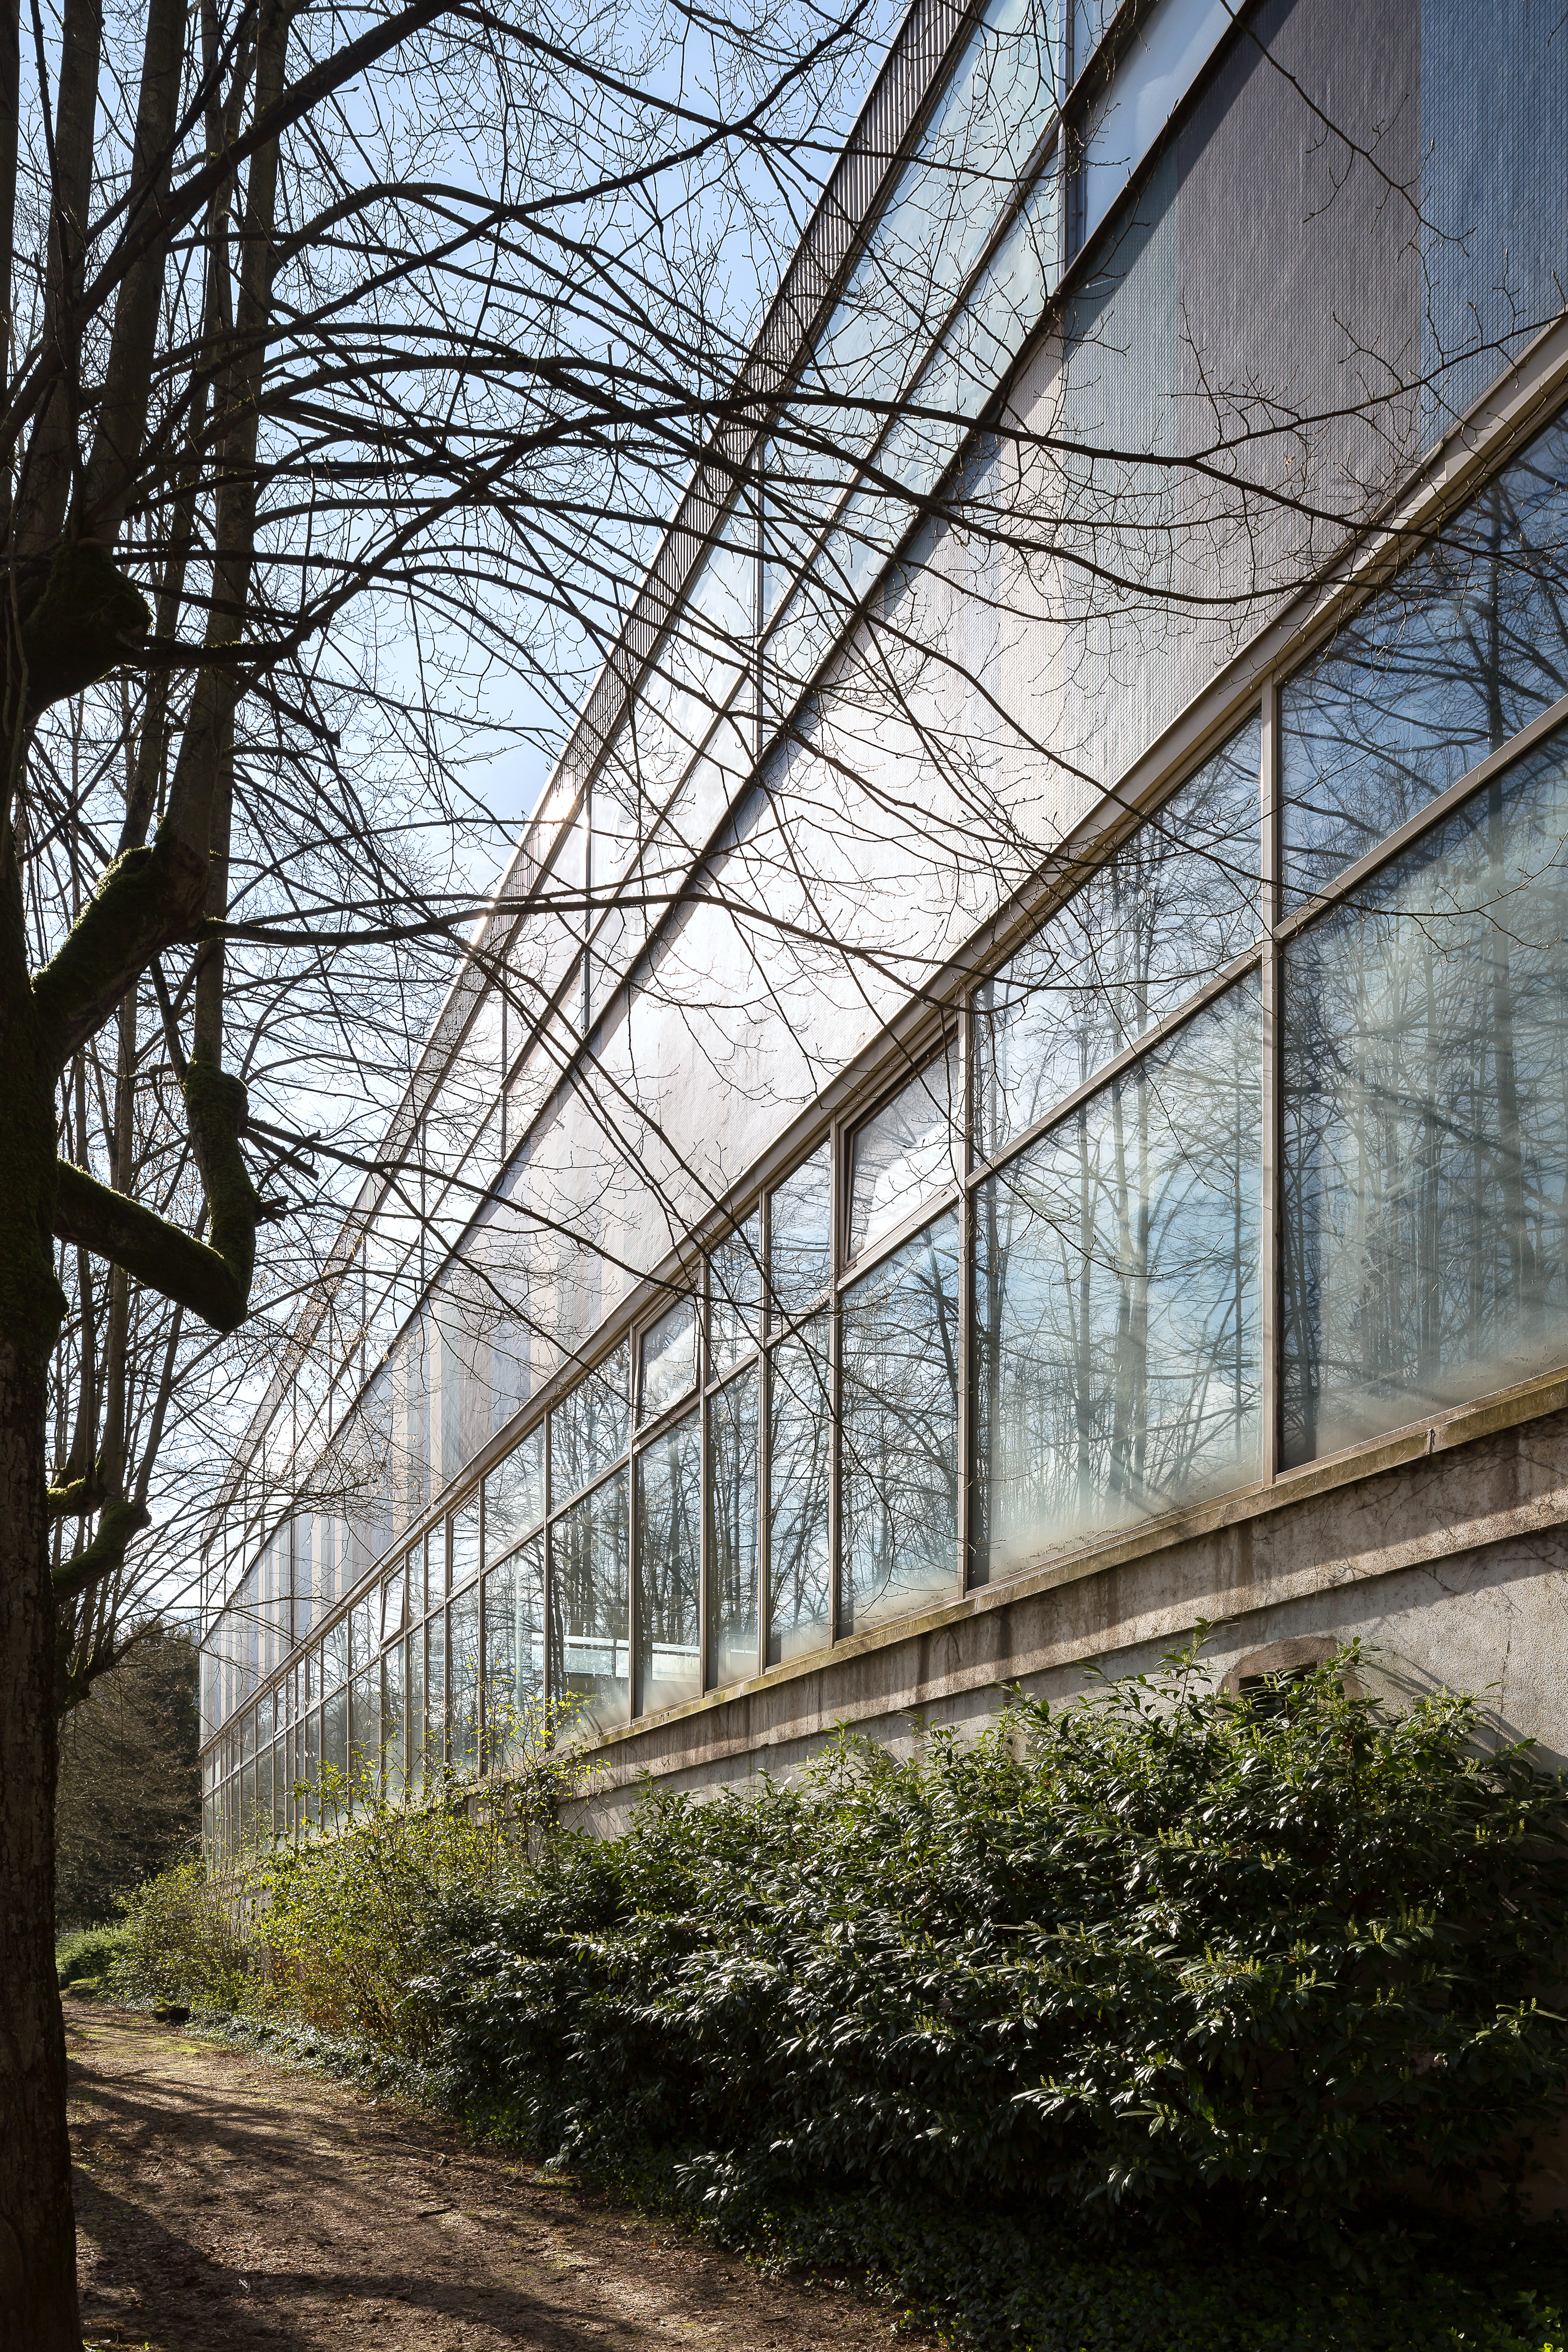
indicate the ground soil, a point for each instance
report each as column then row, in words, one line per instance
column 225, row 2202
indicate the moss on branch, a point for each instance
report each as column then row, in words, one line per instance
column 146, row 899
column 88, row 620
column 75, row 1497
column 149, row 1248
column 216, row 1108
column 119, row 1524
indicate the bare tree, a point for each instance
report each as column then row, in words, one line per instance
column 320, row 355
column 377, row 367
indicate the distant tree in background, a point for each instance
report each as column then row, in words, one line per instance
column 128, row 1798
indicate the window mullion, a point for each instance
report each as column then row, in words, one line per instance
column 1268, row 1271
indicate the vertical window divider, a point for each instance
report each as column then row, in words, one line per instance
column 547, row 1581
column 481, row 1639
column 965, row 1285
column 837, row 1194
column 634, row 1507
column 1268, row 1208
column 765, row 1431
column 704, row 1486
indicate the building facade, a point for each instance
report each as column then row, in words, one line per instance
column 1014, row 1098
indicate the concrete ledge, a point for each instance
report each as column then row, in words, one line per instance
column 1479, row 1474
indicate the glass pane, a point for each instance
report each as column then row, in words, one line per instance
column 415, row 1569
column 364, row 1734
column 435, row 1696
column 1118, row 1345
column 1173, row 907
column 1467, row 644
column 588, row 1428
column 800, row 1236
column 392, row 1724
column 464, row 1541
column 364, row 1636
column 312, row 1763
column 514, row 1495
column 1425, row 1246
column 247, row 1735
column 415, row 1650
column 733, row 1532
column 900, row 1463
column 800, row 1450
column 905, row 1152
column 334, row 1756
column 734, row 1298
column 670, row 1536
column 463, row 1668
column 589, row 1663
column 669, row 1368
column 392, row 1606
column 335, row 1655
column 514, row 1657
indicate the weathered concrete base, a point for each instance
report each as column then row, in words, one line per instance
column 1443, row 1550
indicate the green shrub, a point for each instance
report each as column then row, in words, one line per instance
column 345, row 1920
column 1156, row 1955
column 186, row 1937
column 993, row 2283
column 90, row 1952
column 330, row 1930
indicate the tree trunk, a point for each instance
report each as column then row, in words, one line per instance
column 38, row 2241
column 37, row 2237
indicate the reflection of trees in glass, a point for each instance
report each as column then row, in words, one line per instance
column 588, row 1654
column 1118, row 1351
column 588, row 1428
column 415, row 1701
column 1171, row 907
column 1425, row 1160
column 800, row 1446
column 334, row 1750
column 436, row 1693
column 463, row 1668
column 1464, row 647
column 905, row 1151
column 733, row 1531
column 514, row 1653
column 799, row 1234
column 669, row 1538
column 364, row 1735
column 900, row 1458
column 514, row 1494
column 735, row 1297
column 392, row 1722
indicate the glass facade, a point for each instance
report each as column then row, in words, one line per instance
column 1252, row 1145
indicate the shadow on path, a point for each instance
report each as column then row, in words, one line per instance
column 223, row 2202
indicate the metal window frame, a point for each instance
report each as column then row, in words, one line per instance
column 1278, row 927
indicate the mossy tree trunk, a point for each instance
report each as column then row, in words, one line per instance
column 37, row 2254
column 74, row 617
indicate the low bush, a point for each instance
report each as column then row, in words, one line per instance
column 186, row 1938
column 1156, row 1957
column 331, row 1931
column 1048, row 2037
column 91, row 1953
column 996, row 2284
column 344, row 1923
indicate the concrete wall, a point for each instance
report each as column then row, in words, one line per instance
column 1445, row 1550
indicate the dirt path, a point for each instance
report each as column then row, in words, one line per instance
column 222, row 2201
